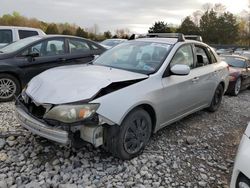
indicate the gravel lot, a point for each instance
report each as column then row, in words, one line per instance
column 197, row 151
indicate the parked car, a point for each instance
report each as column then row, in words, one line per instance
column 239, row 68
column 110, row 43
column 241, row 171
column 224, row 51
column 125, row 95
column 9, row 34
column 24, row 59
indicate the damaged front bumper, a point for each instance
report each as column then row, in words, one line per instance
column 40, row 128
column 90, row 130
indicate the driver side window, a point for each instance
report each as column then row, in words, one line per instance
column 183, row 56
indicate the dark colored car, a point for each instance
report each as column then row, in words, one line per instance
column 239, row 68
column 24, row 59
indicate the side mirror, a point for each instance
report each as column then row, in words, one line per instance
column 179, row 69
column 32, row 55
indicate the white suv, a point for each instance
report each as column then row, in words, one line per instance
column 126, row 94
column 9, row 34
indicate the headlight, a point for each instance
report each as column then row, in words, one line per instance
column 71, row 113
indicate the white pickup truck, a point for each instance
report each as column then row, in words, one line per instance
column 9, row 34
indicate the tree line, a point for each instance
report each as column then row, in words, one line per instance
column 16, row 19
column 214, row 24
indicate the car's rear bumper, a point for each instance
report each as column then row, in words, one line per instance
column 40, row 128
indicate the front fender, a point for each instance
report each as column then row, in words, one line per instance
column 116, row 105
column 13, row 70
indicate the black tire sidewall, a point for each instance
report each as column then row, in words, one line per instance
column 17, row 83
column 122, row 153
column 213, row 107
column 235, row 94
column 242, row 178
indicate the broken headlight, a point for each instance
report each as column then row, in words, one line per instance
column 71, row 113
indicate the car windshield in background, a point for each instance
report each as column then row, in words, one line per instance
column 234, row 61
column 140, row 57
column 19, row 44
column 111, row 42
column 5, row 36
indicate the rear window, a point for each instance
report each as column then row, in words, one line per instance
column 5, row 36
column 24, row 33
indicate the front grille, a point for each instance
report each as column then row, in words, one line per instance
column 36, row 110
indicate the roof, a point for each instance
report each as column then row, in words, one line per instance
column 17, row 27
column 159, row 40
column 167, row 40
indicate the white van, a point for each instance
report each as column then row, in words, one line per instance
column 10, row 34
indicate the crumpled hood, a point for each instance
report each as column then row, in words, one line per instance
column 75, row 83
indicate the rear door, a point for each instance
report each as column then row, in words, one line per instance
column 80, row 51
column 207, row 71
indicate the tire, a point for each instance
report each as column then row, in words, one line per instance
column 237, row 87
column 216, row 101
column 9, row 87
column 242, row 182
column 129, row 140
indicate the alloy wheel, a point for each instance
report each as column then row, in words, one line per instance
column 7, row 88
column 237, row 86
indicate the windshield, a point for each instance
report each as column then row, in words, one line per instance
column 136, row 56
column 111, row 42
column 235, row 61
column 19, row 44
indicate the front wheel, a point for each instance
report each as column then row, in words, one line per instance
column 217, row 98
column 237, row 87
column 9, row 87
column 131, row 137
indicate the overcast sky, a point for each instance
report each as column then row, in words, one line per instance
column 136, row 15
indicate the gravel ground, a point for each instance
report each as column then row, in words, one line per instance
column 197, row 151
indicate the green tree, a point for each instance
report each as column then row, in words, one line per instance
column 81, row 33
column 107, row 34
column 159, row 27
column 66, row 32
column 208, row 27
column 227, row 29
column 188, row 27
column 52, row 29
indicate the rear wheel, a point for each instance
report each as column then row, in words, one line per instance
column 215, row 104
column 9, row 86
column 237, row 87
column 130, row 139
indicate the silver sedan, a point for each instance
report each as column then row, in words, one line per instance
column 125, row 95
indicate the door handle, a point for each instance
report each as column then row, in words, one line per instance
column 195, row 79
